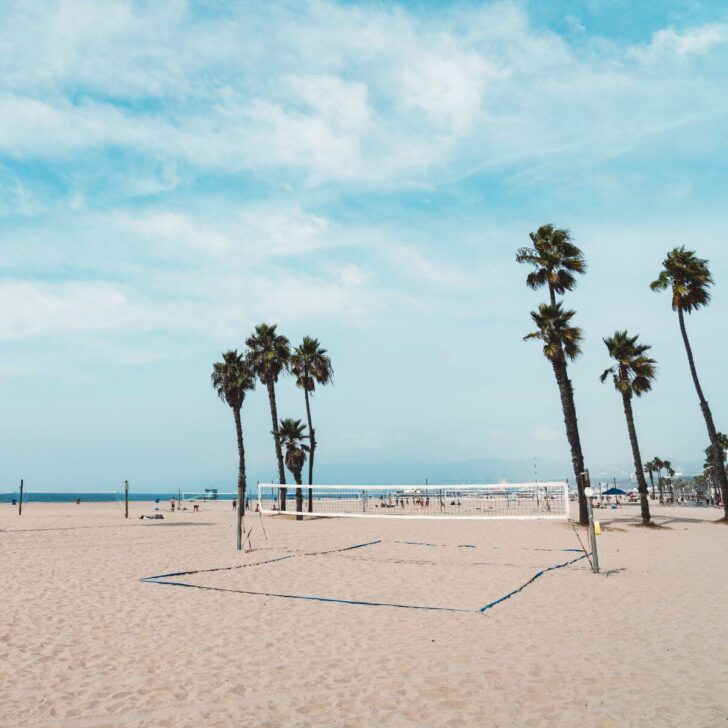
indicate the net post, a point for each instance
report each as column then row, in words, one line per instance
column 20, row 499
column 588, row 492
column 566, row 500
column 126, row 499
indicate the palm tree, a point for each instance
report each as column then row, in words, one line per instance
column 670, row 476
column 651, row 469
column 268, row 357
column 710, row 457
column 310, row 365
column 689, row 280
column 710, row 454
column 292, row 434
column 231, row 379
column 562, row 341
column 660, row 465
column 554, row 258
column 632, row 375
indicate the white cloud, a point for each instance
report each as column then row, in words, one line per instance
column 691, row 41
column 547, row 434
column 334, row 93
column 34, row 309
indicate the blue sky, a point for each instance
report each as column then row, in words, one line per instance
column 172, row 173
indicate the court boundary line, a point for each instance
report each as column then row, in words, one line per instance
column 163, row 580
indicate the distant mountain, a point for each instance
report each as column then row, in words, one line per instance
column 475, row 470
column 478, row 470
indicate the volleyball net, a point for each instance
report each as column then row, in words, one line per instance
column 493, row 501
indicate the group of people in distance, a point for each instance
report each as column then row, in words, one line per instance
column 419, row 501
column 180, row 507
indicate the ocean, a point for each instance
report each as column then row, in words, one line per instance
column 30, row 496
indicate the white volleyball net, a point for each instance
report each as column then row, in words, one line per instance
column 495, row 501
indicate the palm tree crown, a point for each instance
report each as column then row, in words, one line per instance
column 292, row 434
column 634, row 372
column 310, row 364
column 555, row 330
column 555, row 259
column 689, row 278
column 232, row 378
column 269, row 352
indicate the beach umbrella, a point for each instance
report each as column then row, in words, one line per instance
column 614, row 491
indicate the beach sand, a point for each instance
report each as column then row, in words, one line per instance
column 86, row 643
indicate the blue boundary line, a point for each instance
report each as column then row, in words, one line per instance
column 355, row 602
column 260, row 563
column 484, row 609
column 330, row 600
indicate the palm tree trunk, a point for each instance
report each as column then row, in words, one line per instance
column 641, row 482
column 566, row 393
column 652, row 483
column 312, row 440
column 299, row 496
column 708, row 416
column 241, row 478
column 277, row 440
column 659, row 484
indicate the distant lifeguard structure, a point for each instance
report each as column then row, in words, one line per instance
column 210, row 494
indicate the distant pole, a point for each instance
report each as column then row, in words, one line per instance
column 126, row 499
column 179, row 497
column 20, row 500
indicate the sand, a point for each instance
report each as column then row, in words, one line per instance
column 86, row 643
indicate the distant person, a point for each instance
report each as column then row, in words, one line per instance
column 195, row 508
column 235, row 503
column 171, row 505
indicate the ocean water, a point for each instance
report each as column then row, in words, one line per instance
column 30, row 496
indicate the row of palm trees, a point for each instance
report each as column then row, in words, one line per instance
column 268, row 357
column 556, row 261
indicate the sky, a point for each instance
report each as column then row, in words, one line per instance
column 172, row 173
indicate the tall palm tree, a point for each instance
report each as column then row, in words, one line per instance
column 292, row 434
column 632, row 375
column 268, row 357
column 311, row 365
column 231, row 379
column 555, row 259
column 688, row 277
column 562, row 341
